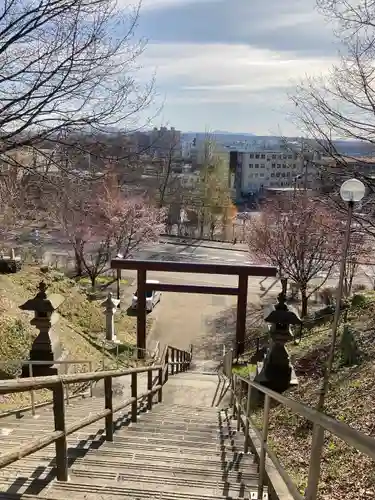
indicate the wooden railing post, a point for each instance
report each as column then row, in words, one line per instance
column 172, row 361
column 66, row 386
column 32, row 394
column 134, row 395
column 160, row 382
column 149, row 388
column 262, row 457
column 167, row 365
column 247, row 423
column 60, row 444
column 176, row 359
column 108, row 406
column 233, row 398
column 184, row 367
column 91, row 382
column 315, row 459
column 239, row 406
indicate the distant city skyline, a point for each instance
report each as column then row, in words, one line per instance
column 230, row 65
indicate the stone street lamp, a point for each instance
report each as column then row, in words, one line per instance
column 46, row 346
column 276, row 372
column 110, row 305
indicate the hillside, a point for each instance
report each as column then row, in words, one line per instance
column 81, row 327
column 351, row 399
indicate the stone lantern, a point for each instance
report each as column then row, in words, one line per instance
column 46, row 346
column 110, row 305
column 277, row 372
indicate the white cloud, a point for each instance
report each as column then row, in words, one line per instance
column 222, row 72
column 160, row 4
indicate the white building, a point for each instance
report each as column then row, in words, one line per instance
column 253, row 171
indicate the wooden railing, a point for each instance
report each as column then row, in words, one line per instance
column 181, row 362
column 29, row 363
column 321, row 423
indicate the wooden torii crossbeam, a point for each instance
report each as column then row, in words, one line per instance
column 242, row 271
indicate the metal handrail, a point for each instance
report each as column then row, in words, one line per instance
column 321, row 421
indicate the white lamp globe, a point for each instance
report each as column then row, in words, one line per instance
column 352, row 190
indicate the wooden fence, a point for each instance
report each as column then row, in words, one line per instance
column 180, row 362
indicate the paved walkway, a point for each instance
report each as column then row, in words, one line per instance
column 194, row 389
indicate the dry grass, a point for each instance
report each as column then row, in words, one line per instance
column 81, row 321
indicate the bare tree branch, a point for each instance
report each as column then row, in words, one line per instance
column 67, row 67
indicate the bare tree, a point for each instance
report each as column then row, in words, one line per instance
column 341, row 105
column 359, row 252
column 64, row 74
column 299, row 237
column 72, row 212
column 168, row 183
column 101, row 220
column 129, row 221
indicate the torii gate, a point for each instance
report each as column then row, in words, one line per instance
column 242, row 271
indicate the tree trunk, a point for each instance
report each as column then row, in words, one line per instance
column 78, row 263
column 93, row 282
column 284, row 286
column 201, row 228
column 304, row 301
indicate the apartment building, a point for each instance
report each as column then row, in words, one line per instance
column 251, row 172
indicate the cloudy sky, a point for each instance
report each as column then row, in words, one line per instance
column 230, row 64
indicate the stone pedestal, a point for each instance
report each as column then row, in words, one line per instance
column 276, row 372
column 46, row 346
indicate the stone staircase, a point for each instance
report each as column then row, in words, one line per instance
column 184, row 451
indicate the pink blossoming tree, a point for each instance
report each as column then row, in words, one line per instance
column 102, row 221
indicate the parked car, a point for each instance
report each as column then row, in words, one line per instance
column 152, row 298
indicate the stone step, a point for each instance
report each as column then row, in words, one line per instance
column 163, row 483
column 84, row 487
column 87, row 492
column 171, row 455
column 178, row 426
column 146, row 421
column 158, row 445
column 142, row 432
column 246, row 470
column 13, row 441
column 20, row 496
column 162, row 474
column 33, row 467
column 162, row 409
column 173, row 424
column 165, row 496
column 235, row 466
column 23, row 484
column 75, row 406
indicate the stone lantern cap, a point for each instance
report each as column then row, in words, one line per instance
column 110, row 302
column 42, row 303
column 282, row 314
